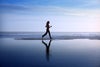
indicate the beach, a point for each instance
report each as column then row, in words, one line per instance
column 49, row 33
column 59, row 53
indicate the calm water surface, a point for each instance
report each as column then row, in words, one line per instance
column 55, row 53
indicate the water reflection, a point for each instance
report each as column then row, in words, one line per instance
column 47, row 49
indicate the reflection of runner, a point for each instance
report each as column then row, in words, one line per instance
column 47, row 30
column 47, row 48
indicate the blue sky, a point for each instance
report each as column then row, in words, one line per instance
column 64, row 15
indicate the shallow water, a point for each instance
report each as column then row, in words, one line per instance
column 60, row 53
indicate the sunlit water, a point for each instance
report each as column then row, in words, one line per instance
column 55, row 53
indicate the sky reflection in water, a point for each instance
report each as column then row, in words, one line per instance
column 59, row 53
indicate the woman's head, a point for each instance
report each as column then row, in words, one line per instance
column 48, row 22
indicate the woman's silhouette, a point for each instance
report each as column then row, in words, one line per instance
column 47, row 30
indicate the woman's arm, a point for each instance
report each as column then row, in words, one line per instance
column 50, row 26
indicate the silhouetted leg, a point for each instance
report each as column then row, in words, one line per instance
column 49, row 34
column 44, row 34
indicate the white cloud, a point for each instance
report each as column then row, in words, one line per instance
column 51, row 10
column 62, row 19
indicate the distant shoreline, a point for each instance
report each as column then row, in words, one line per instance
column 42, row 31
column 55, row 35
